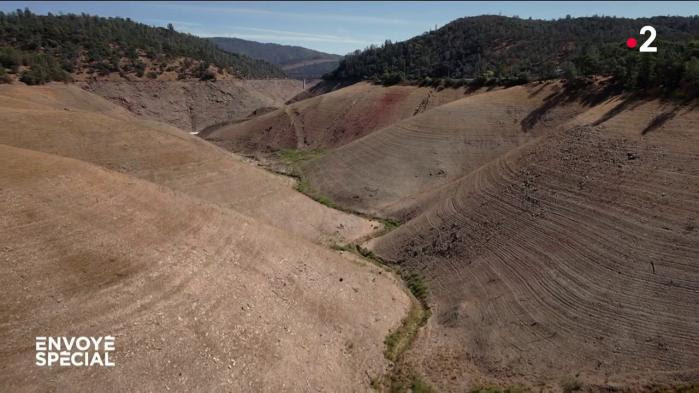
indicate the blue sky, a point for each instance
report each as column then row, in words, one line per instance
column 338, row 27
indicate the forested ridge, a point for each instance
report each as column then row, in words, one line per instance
column 498, row 49
column 42, row 48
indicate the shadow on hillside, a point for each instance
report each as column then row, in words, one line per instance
column 538, row 90
column 585, row 95
column 658, row 121
column 535, row 116
column 627, row 103
column 469, row 89
column 661, row 119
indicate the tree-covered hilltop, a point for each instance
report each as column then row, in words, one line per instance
column 512, row 49
column 42, row 48
column 674, row 69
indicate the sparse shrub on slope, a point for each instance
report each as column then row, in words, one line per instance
column 39, row 67
column 42, row 69
column 4, row 78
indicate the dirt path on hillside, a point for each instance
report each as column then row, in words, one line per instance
column 294, row 121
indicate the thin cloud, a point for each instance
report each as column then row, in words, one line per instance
column 253, row 33
column 298, row 34
column 297, row 39
column 286, row 14
column 339, row 17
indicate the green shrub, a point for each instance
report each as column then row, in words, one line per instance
column 10, row 58
column 392, row 78
column 297, row 156
column 4, row 78
column 417, row 286
column 40, row 73
column 570, row 385
column 419, row 386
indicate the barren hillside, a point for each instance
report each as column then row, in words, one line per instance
column 198, row 297
column 196, row 105
column 496, row 205
column 555, row 229
column 573, row 258
column 67, row 121
column 376, row 174
column 329, row 120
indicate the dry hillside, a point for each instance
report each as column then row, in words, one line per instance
column 466, row 222
column 196, row 105
column 329, row 120
column 375, row 174
column 199, row 297
column 572, row 258
column 67, row 121
column 555, row 229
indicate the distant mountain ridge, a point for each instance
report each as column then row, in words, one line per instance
column 298, row 62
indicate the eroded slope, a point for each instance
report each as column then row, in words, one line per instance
column 194, row 106
column 573, row 258
column 329, row 120
column 199, row 298
column 380, row 173
column 64, row 120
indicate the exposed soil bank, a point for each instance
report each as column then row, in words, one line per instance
column 196, row 105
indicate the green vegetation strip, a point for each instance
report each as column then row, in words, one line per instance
column 297, row 156
column 400, row 339
column 294, row 160
column 401, row 378
column 303, row 186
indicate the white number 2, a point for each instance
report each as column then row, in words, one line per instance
column 645, row 47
